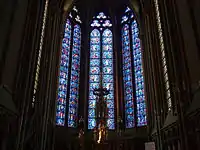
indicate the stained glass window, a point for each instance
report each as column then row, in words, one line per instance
column 164, row 64
column 108, row 81
column 94, row 75
column 101, row 62
column 127, row 77
column 69, row 72
column 63, row 76
column 74, row 80
column 133, row 80
column 139, row 79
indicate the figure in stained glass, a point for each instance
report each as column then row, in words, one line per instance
column 101, row 61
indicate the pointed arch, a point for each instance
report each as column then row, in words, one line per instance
column 101, row 62
column 133, row 79
column 69, row 72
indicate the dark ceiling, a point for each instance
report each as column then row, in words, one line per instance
column 96, row 6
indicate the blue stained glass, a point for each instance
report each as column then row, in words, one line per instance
column 94, row 55
column 139, row 82
column 74, row 80
column 96, row 23
column 92, row 104
column 110, row 96
column 63, row 76
column 129, row 104
column 127, row 66
column 107, row 41
column 61, row 108
column 71, row 123
column 95, row 33
column 94, row 70
column 94, row 80
column 91, row 95
column 111, row 113
column 95, row 40
column 107, row 23
column 110, row 104
column 107, row 48
column 91, row 113
column 107, row 55
column 107, row 33
column 127, row 76
column 94, row 62
column 107, row 70
column 111, row 123
column 107, row 62
column 127, row 9
column 108, row 86
column 76, row 66
column 107, row 78
column 61, row 101
column 94, row 85
column 126, row 53
column 127, row 60
column 91, row 123
column 95, row 48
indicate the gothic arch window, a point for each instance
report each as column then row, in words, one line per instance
column 133, row 80
column 69, row 72
column 101, row 64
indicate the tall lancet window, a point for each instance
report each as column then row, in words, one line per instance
column 133, row 80
column 101, row 64
column 69, row 73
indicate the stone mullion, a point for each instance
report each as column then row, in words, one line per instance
column 116, row 49
column 86, row 66
column 119, row 68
